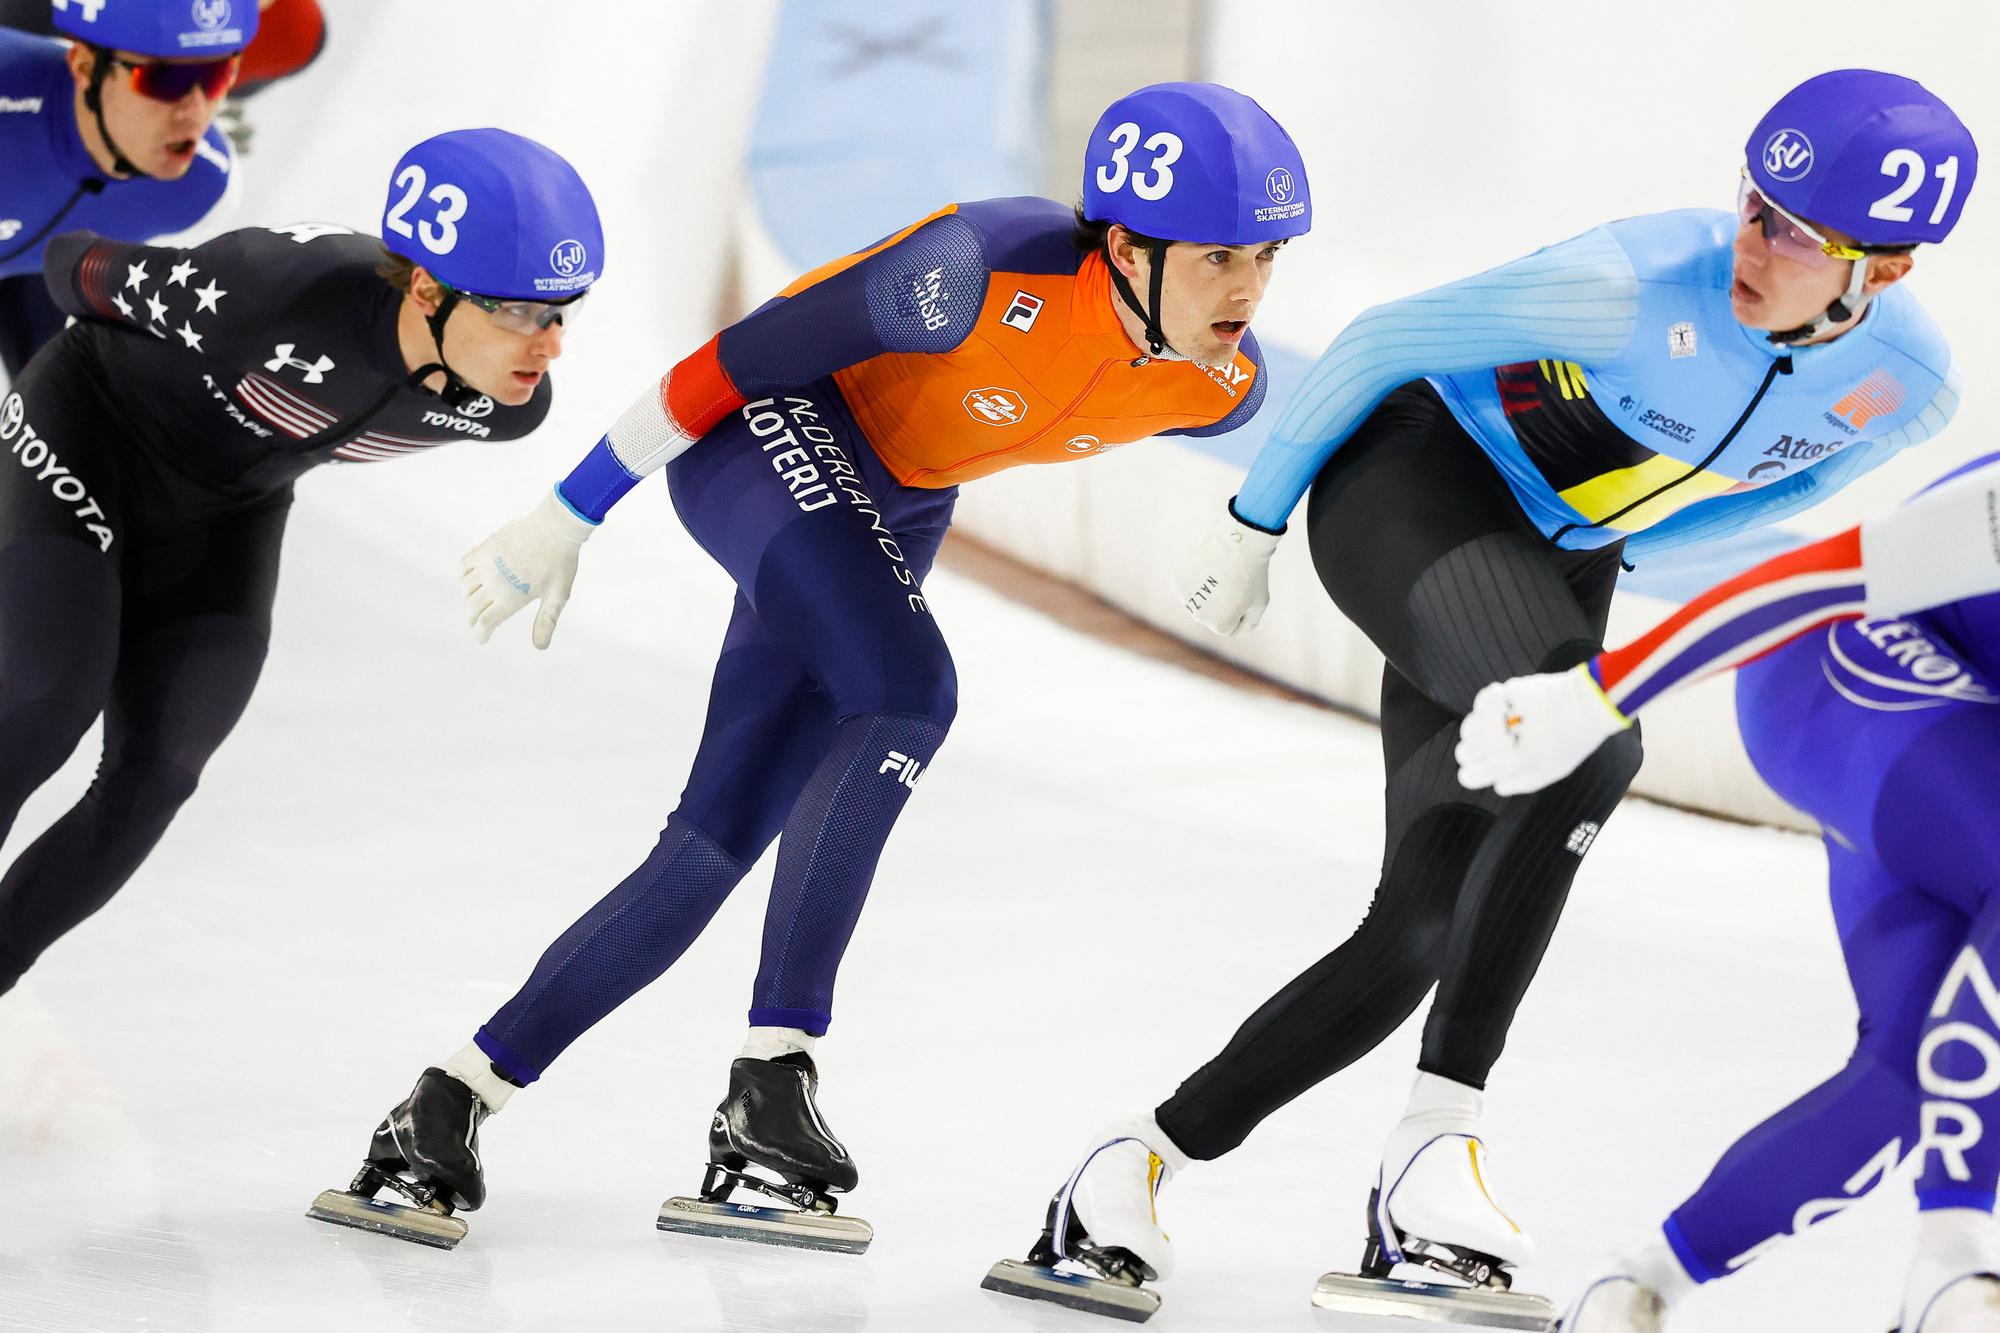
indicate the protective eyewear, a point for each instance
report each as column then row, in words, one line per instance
column 165, row 81
column 526, row 317
column 1785, row 235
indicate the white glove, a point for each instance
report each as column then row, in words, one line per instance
column 1526, row 733
column 1225, row 582
column 531, row 558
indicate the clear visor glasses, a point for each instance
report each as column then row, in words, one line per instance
column 525, row 317
column 1785, row 235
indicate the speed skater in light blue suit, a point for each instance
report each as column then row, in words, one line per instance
column 1482, row 458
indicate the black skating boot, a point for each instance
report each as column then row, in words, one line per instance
column 427, row 1151
column 770, row 1119
column 771, row 1122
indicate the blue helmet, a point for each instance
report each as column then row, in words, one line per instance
column 1195, row 162
column 164, row 29
column 492, row 213
column 1875, row 155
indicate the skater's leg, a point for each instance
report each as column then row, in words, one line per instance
column 1837, row 1142
column 768, row 728
column 195, row 625
column 1347, row 1003
column 1420, row 543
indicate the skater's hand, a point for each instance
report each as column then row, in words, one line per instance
column 531, row 558
column 1225, row 583
column 1526, row 733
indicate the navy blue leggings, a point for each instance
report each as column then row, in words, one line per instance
column 832, row 694
column 1881, row 733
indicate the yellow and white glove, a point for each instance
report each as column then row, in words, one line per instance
column 1526, row 733
column 1225, row 582
column 531, row 558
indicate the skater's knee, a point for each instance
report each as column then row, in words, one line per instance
column 145, row 790
column 920, row 681
column 1617, row 761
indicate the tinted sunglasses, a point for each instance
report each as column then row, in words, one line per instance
column 163, row 81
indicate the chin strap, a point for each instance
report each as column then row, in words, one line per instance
column 456, row 393
column 1156, row 341
column 1849, row 304
column 93, row 97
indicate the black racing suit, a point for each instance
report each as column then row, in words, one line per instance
column 149, row 456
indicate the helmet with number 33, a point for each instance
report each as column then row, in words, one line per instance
column 1195, row 162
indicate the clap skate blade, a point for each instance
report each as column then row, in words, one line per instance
column 1473, row 1292
column 1369, row 1305
column 1116, row 1299
column 810, row 1224
column 423, row 1221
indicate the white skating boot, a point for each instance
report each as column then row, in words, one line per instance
column 1105, row 1220
column 1954, row 1282
column 1630, row 1293
column 1431, row 1211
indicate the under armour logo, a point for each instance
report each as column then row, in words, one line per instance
column 906, row 767
column 1582, row 836
column 314, row 371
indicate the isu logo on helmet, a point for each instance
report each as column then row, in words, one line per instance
column 568, row 258
column 995, row 406
column 1788, row 155
column 1279, row 185
column 210, row 14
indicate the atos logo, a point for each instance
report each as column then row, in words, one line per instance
column 568, row 258
column 1279, row 185
column 1788, row 155
column 995, row 406
column 210, row 14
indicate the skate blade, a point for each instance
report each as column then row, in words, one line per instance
column 1011, row 1277
column 347, row 1209
column 1391, row 1306
column 767, row 1226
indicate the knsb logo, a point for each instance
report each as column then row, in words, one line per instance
column 568, row 258
column 1788, row 155
column 313, row 371
column 210, row 14
column 482, row 406
column 995, row 406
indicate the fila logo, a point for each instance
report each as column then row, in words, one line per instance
column 314, row 371
column 906, row 767
column 1023, row 312
column 995, row 406
column 1582, row 836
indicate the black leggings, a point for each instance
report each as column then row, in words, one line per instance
column 163, row 633
column 1421, row 544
